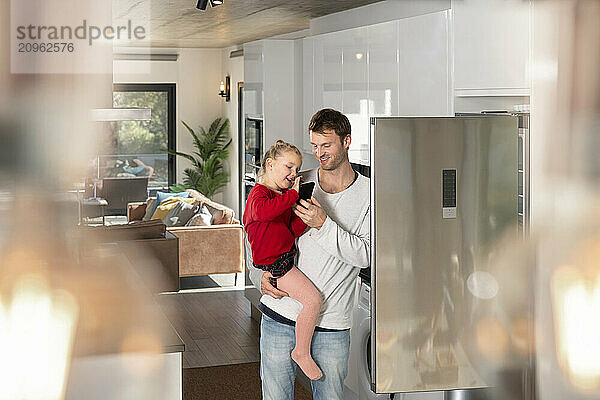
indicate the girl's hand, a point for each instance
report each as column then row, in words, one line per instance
column 296, row 186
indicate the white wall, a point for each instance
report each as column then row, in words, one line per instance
column 125, row 71
column 200, row 72
column 196, row 74
column 234, row 67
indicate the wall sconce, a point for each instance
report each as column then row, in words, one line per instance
column 225, row 89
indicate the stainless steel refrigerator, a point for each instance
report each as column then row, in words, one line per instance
column 451, row 311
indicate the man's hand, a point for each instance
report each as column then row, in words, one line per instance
column 311, row 212
column 267, row 288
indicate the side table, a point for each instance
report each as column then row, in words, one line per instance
column 94, row 202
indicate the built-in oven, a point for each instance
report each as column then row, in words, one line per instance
column 253, row 148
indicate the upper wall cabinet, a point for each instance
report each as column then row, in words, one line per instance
column 253, row 79
column 492, row 47
column 425, row 65
column 328, row 67
column 401, row 67
column 383, row 69
column 355, row 75
column 308, row 88
column 270, row 74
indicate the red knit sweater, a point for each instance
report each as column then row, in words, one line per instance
column 270, row 223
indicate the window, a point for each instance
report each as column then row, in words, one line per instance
column 138, row 148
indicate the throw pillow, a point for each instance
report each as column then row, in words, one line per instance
column 221, row 214
column 199, row 196
column 202, row 218
column 167, row 205
column 150, row 208
column 136, row 211
column 160, row 196
column 180, row 214
column 218, row 215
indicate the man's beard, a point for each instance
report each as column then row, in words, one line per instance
column 334, row 162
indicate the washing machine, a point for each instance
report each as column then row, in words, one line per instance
column 350, row 383
column 359, row 368
column 360, row 348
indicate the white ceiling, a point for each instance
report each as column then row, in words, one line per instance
column 177, row 23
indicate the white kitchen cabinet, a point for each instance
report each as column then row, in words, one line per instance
column 328, row 71
column 355, row 90
column 425, row 65
column 279, row 90
column 323, row 72
column 492, row 47
column 355, row 77
column 402, row 67
column 415, row 66
column 340, row 76
column 383, row 69
column 270, row 73
column 307, row 89
column 253, row 78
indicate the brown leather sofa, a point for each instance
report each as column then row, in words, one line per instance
column 203, row 250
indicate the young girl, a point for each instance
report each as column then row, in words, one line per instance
column 272, row 228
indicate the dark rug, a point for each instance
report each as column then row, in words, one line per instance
column 236, row 381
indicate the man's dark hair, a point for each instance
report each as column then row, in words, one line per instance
column 331, row 120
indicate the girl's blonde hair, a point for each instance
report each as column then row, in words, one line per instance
column 277, row 149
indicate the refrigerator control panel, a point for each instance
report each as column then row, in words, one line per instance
column 449, row 193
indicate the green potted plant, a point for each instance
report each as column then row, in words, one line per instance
column 207, row 174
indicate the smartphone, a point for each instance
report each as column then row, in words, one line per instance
column 306, row 190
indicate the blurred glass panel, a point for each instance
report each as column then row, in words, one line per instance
column 154, row 166
column 138, row 148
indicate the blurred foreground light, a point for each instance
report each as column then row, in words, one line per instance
column 576, row 309
column 492, row 339
column 483, row 285
column 36, row 336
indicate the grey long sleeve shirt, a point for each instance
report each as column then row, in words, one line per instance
column 331, row 256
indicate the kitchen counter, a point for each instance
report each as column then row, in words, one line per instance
column 125, row 347
column 118, row 313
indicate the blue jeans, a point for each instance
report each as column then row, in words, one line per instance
column 330, row 350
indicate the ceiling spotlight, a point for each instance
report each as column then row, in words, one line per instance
column 201, row 5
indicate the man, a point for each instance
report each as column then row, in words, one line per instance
column 330, row 254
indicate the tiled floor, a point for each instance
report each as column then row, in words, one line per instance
column 215, row 326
